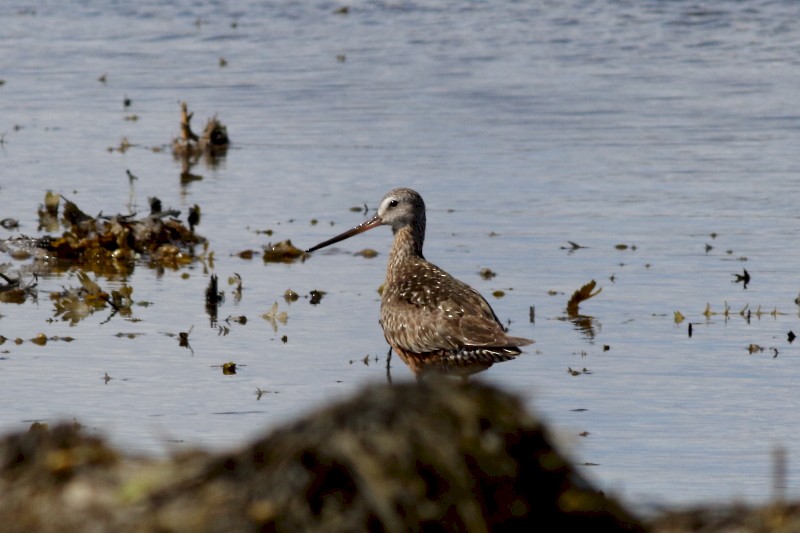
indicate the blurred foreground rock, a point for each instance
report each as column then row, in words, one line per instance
column 428, row 457
column 778, row 517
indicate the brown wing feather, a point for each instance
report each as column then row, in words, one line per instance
column 428, row 310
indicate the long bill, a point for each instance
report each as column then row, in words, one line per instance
column 374, row 222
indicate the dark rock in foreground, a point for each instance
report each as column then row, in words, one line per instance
column 433, row 457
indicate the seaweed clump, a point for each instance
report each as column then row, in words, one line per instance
column 112, row 244
column 283, row 252
column 189, row 147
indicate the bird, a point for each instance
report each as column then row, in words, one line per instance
column 432, row 320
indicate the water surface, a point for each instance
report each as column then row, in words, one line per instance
column 668, row 127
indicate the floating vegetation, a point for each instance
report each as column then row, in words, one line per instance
column 743, row 278
column 16, row 292
column 183, row 338
column 367, row 253
column 41, row 339
column 273, row 317
column 573, row 246
column 283, row 252
column 212, row 144
column 246, row 254
column 121, row 300
column 76, row 303
column 754, row 348
column 487, row 273
column 123, row 146
column 236, row 280
column 9, row 223
column 316, row 296
column 581, row 295
column 584, row 323
column 107, row 245
column 745, row 312
column 128, row 335
column 290, row 296
column 260, row 392
column 241, row 319
column 48, row 213
column 365, row 360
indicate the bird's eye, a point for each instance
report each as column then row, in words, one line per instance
column 392, row 203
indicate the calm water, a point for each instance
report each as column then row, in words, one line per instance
column 670, row 127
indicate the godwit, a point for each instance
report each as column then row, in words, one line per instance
column 431, row 319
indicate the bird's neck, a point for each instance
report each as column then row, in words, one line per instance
column 407, row 246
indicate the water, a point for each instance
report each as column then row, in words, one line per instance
column 669, row 127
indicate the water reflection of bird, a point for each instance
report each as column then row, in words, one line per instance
column 432, row 320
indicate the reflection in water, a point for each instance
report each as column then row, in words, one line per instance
column 588, row 325
column 214, row 297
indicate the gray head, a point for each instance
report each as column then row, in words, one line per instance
column 403, row 207
column 400, row 208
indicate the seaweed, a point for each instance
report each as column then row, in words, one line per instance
column 111, row 245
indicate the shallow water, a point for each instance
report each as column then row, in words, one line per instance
column 667, row 127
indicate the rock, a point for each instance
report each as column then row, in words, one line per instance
column 433, row 456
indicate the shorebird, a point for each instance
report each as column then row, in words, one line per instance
column 430, row 319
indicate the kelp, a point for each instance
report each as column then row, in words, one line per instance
column 584, row 323
column 15, row 290
column 283, row 252
column 110, row 245
column 189, row 147
column 581, row 295
column 73, row 304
